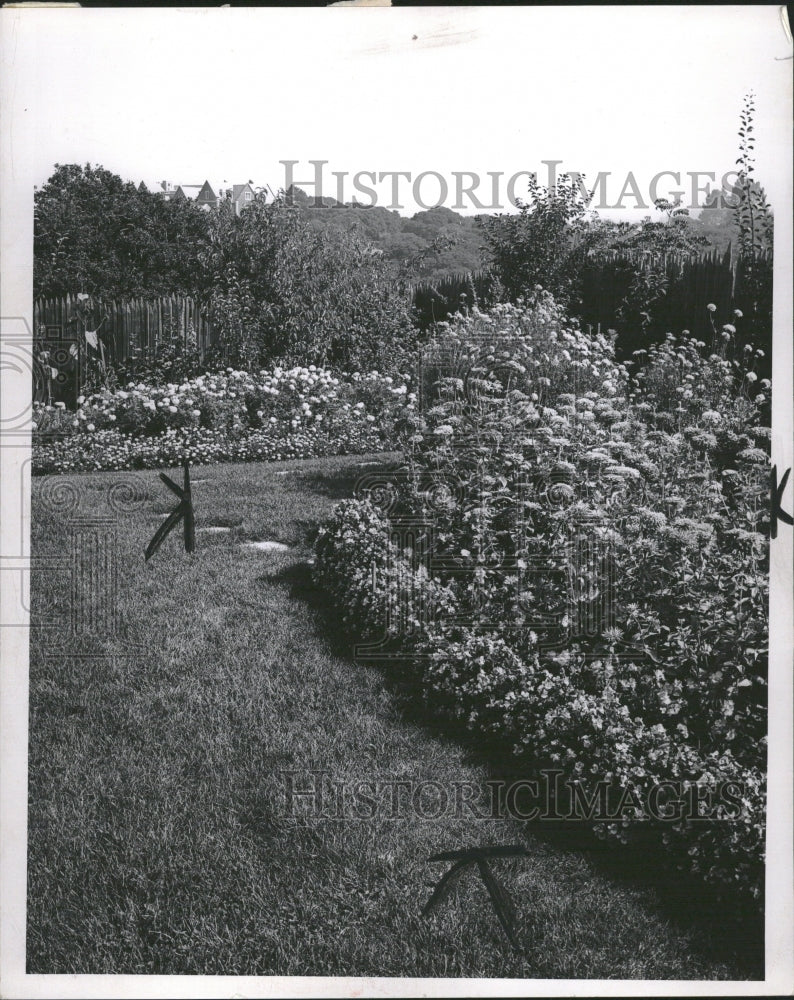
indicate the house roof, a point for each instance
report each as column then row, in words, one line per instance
column 191, row 191
column 206, row 193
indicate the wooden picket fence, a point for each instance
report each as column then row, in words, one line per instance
column 128, row 328
column 133, row 329
column 692, row 283
column 434, row 300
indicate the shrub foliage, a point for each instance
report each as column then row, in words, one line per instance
column 588, row 586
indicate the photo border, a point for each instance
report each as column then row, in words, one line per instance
column 16, row 290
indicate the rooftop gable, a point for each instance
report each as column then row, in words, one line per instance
column 239, row 189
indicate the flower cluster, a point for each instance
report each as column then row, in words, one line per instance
column 603, row 548
column 229, row 416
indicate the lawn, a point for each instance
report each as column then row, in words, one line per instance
column 159, row 841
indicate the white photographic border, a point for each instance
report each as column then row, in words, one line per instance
column 16, row 292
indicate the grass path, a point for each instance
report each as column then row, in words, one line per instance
column 159, row 841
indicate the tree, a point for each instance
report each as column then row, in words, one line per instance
column 95, row 233
column 285, row 291
column 538, row 246
column 677, row 233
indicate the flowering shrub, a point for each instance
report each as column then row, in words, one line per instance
column 603, row 550
column 363, row 569
column 227, row 416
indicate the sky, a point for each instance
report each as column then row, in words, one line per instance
column 185, row 95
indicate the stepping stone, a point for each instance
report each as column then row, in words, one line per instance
column 267, row 546
column 214, row 529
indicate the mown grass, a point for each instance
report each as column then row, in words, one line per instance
column 158, row 838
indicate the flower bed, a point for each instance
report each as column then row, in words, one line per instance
column 229, row 416
column 591, row 588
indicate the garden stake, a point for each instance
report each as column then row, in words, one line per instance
column 500, row 899
column 183, row 510
column 775, row 496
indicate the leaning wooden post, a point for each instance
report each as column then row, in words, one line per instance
column 190, row 521
column 183, row 511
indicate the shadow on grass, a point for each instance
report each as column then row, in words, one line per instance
column 307, row 530
column 340, row 484
column 727, row 929
column 297, row 577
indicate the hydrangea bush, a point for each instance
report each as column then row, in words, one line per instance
column 228, row 416
column 596, row 589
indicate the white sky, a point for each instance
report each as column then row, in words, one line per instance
column 226, row 94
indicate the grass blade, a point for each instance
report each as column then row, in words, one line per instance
column 473, row 853
column 453, row 855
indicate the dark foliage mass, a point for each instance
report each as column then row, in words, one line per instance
column 95, row 233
